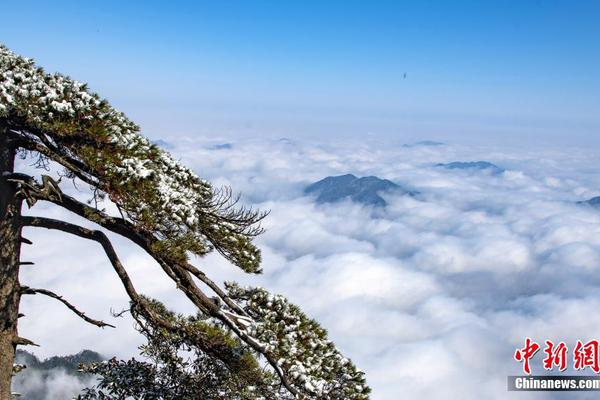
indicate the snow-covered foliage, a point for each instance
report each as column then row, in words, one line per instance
column 300, row 344
column 154, row 191
column 169, row 211
column 195, row 359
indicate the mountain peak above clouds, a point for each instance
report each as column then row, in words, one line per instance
column 221, row 146
column 594, row 202
column 56, row 377
column 70, row 363
column 473, row 165
column 365, row 190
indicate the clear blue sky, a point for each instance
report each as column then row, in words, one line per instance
column 474, row 69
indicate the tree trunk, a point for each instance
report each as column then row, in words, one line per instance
column 10, row 246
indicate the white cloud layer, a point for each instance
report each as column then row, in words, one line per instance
column 55, row 384
column 430, row 296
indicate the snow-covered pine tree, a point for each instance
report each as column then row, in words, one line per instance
column 169, row 212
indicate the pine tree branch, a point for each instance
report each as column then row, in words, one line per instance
column 177, row 271
column 101, row 238
column 71, row 164
column 214, row 287
column 32, row 291
column 34, row 140
column 21, row 341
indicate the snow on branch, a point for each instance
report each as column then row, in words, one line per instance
column 169, row 212
column 62, row 120
column 310, row 361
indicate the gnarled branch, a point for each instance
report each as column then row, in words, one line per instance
column 178, row 272
column 101, row 238
column 38, row 142
column 214, row 287
column 28, row 290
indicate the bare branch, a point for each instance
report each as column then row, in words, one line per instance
column 28, row 290
column 120, row 313
column 177, row 271
column 224, row 207
column 21, row 341
column 101, row 238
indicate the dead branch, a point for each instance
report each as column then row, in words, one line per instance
column 32, row 291
column 21, row 341
column 101, row 238
column 178, row 272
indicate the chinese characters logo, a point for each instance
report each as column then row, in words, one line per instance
column 585, row 355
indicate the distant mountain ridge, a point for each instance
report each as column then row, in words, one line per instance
column 594, row 202
column 424, row 143
column 363, row 190
column 70, row 363
column 473, row 165
column 54, row 378
column 221, row 146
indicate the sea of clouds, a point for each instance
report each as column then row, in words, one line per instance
column 429, row 296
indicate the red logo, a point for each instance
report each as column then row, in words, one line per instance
column 585, row 355
column 555, row 356
column 526, row 353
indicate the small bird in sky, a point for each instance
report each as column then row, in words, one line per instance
column 405, row 75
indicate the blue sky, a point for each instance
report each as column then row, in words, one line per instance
column 474, row 70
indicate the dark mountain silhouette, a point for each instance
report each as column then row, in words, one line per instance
column 473, row 165
column 364, row 190
column 69, row 363
column 221, row 146
column 594, row 202
column 55, row 377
